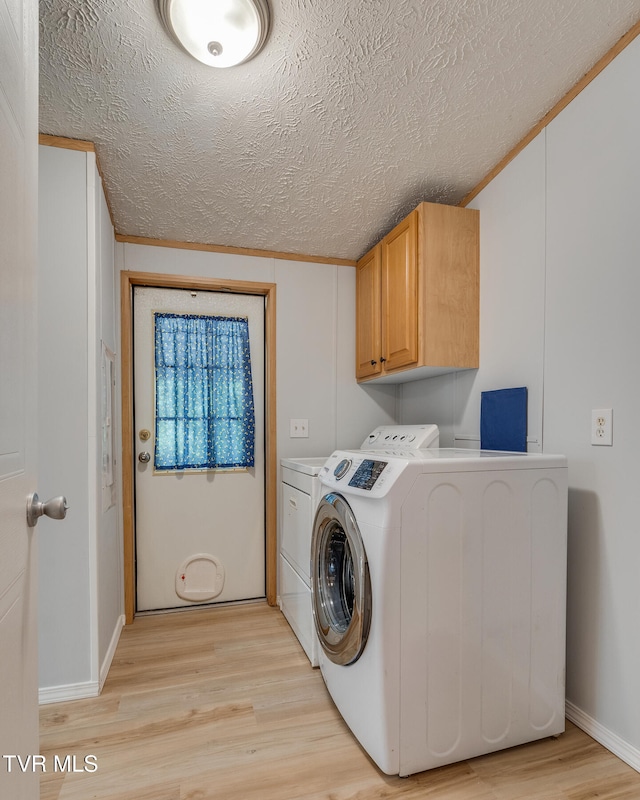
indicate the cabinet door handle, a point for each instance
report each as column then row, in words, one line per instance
column 293, row 503
column 382, row 359
column 373, row 362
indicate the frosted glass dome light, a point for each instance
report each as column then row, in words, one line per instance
column 219, row 33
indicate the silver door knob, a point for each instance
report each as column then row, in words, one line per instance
column 144, row 458
column 56, row 508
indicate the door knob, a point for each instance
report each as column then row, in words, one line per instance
column 144, row 458
column 56, row 508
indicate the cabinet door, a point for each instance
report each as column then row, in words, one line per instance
column 368, row 328
column 400, row 294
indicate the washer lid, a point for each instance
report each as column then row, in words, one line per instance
column 309, row 465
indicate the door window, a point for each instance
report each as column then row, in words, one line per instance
column 204, row 394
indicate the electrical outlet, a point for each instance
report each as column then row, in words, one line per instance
column 299, row 428
column 602, row 426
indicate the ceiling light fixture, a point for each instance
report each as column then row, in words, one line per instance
column 220, row 33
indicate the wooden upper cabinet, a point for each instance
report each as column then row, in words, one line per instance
column 369, row 338
column 417, row 297
column 399, row 299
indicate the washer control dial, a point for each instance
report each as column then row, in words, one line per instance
column 341, row 470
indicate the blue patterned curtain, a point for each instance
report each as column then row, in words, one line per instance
column 204, row 395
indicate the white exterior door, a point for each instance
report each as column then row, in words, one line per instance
column 200, row 535
column 18, row 401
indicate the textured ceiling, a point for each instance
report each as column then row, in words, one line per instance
column 355, row 111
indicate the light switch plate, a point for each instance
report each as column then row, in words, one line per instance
column 299, row 428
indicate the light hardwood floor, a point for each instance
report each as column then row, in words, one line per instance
column 221, row 704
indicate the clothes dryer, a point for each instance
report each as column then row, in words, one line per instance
column 300, row 490
column 438, row 587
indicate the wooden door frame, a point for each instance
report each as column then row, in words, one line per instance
column 268, row 290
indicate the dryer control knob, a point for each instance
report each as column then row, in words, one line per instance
column 343, row 467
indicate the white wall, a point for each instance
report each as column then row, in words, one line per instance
column 512, row 210
column 591, row 361
column 315, row 343
column 80, row 573
column 109, row 589
column 315, row 333
column 63, row 607
column 560, row 279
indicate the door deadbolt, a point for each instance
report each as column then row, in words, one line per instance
column 56, row 508
column 144, row 435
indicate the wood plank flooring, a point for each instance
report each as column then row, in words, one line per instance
column 221, row 704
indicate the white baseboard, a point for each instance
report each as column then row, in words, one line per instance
column 80, row 691
column 111, row 650
column 618, row 746
column 68, row 691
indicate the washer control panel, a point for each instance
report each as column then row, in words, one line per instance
column 341, row 470
column 410, row 437
column 370, row 473
column 367, row 474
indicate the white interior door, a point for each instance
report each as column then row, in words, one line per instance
column 200, row 535
column 18, row 405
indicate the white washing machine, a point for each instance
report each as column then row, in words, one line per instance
column 438, row 587
column 300, row 491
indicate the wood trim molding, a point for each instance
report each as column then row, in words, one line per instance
column 127, row 281
column 241, row 251
column 127, row 469
column 67, row 144
column 586, row 79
